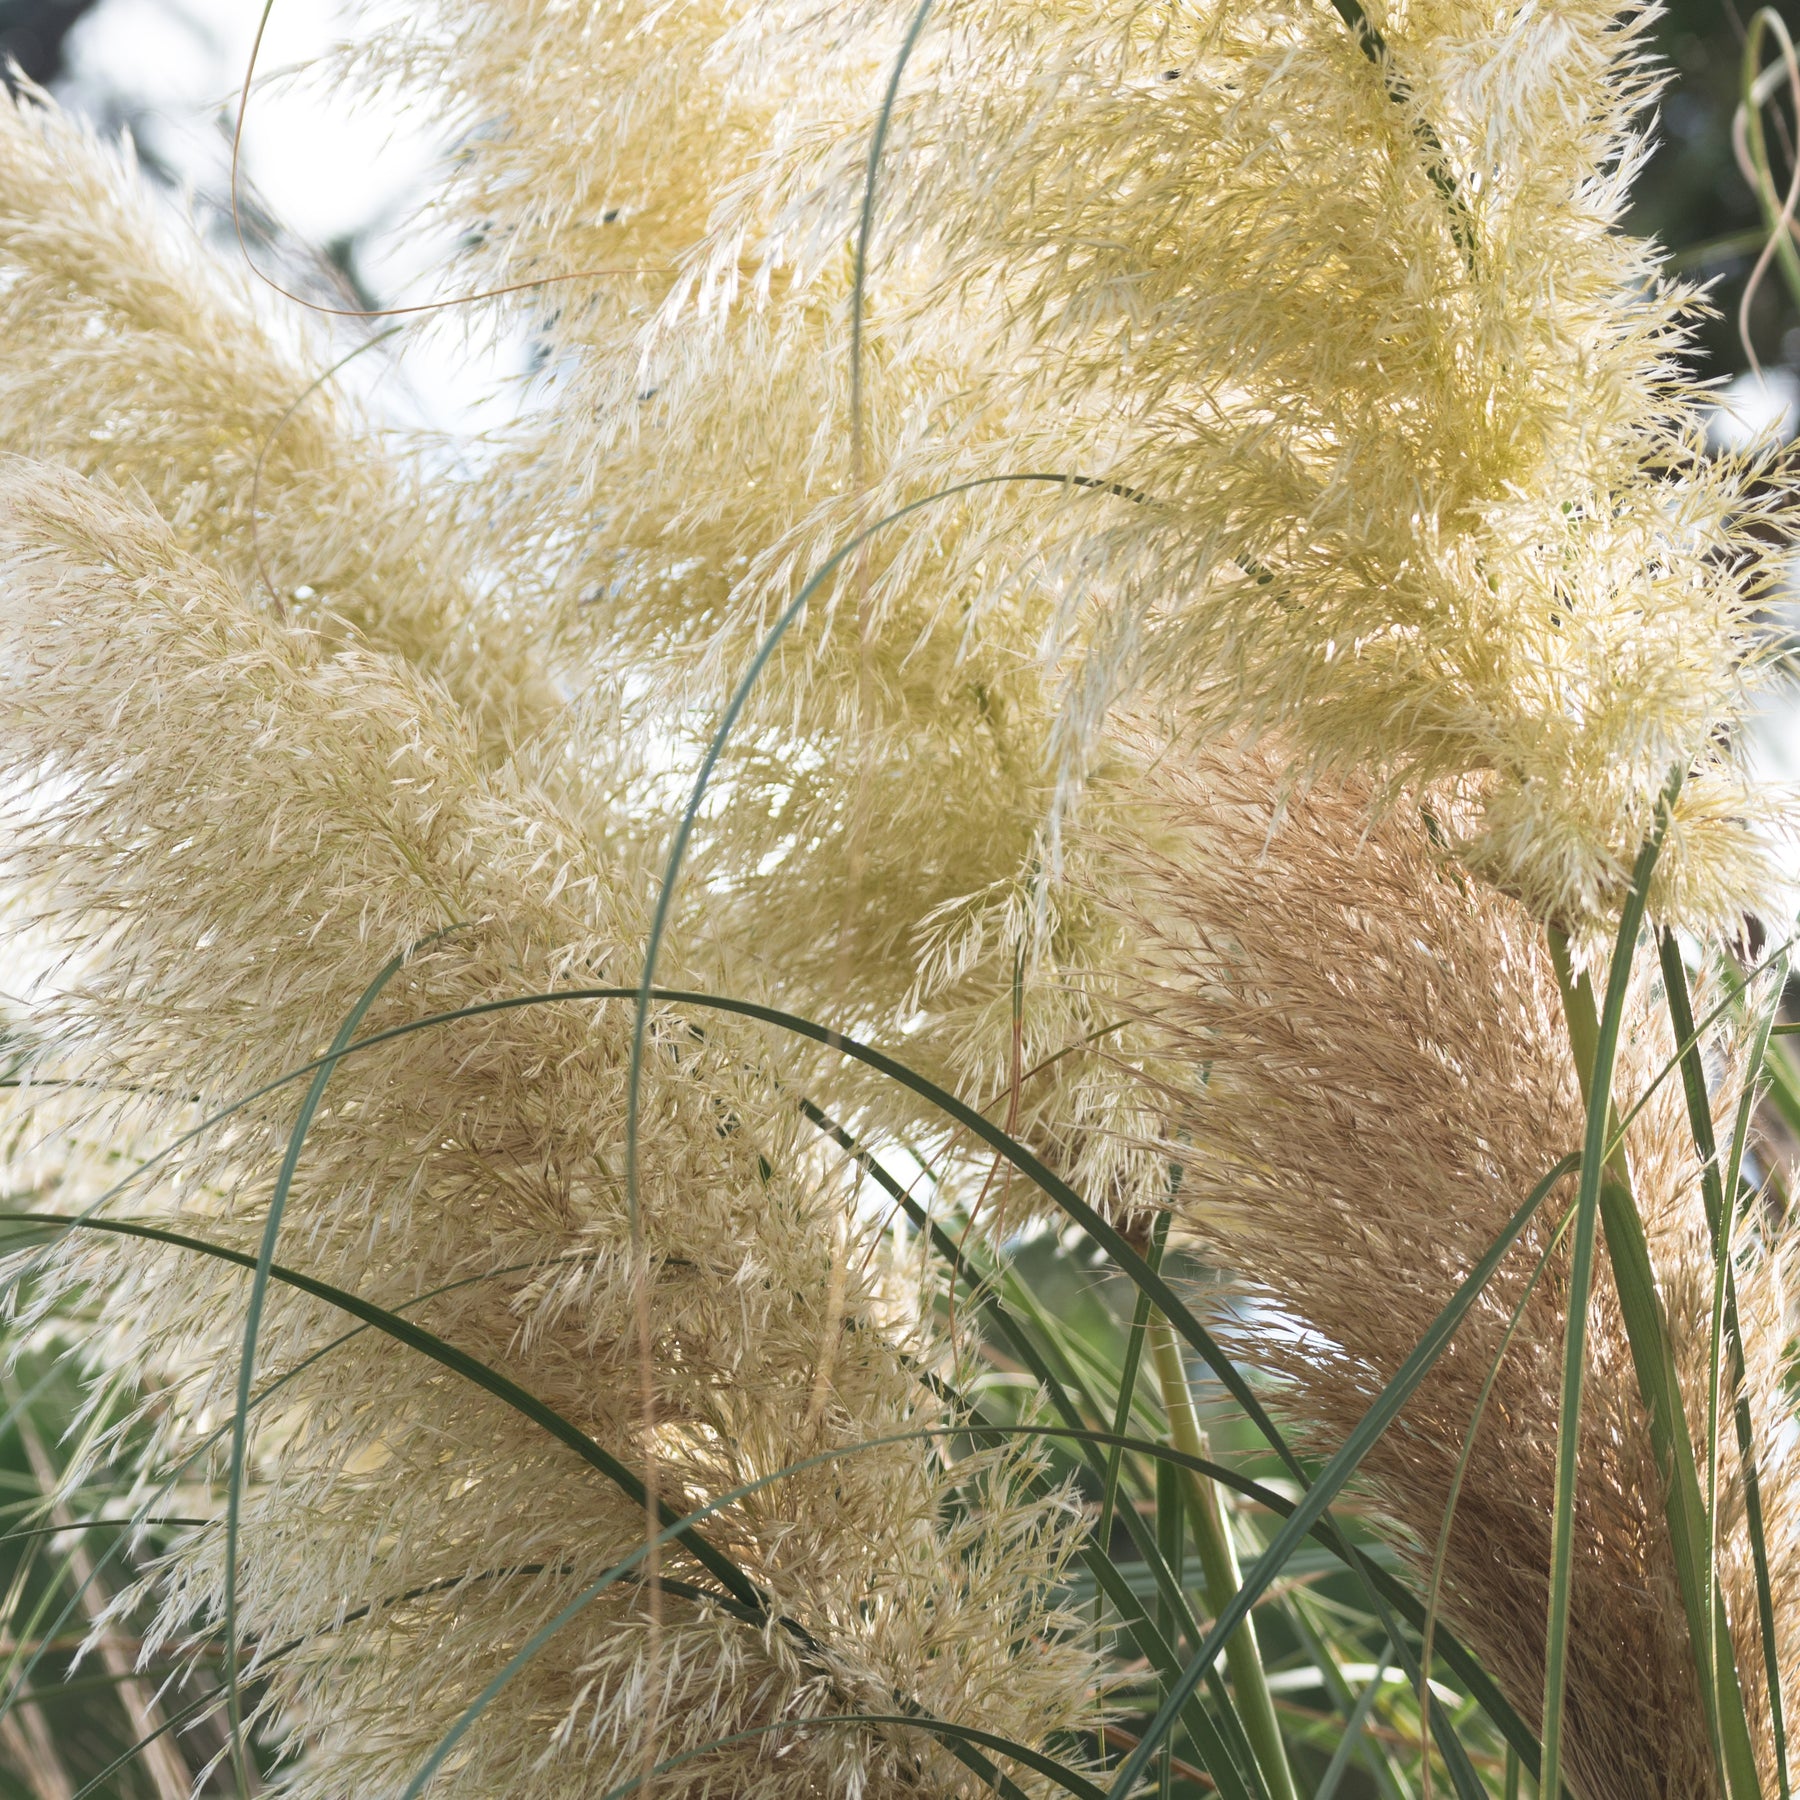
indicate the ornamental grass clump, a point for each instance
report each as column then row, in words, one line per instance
column 1104, row 651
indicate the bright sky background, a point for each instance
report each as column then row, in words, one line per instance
column 170, row 72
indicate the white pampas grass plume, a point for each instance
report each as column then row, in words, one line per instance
column 1422, row 476
column 128, row 352
column 226, row 828
column 1413, row 467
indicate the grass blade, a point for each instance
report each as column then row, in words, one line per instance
column 1434, row 1585
column 426, row 1343
column 1339, row 1470
column 1605, row 1195
column 1377, row 1760
column 1693, row 1080
column 1231, row 1763
column 259, row 1290
column 865, row 226
column 1219, row 1567
column 1723, row 1290
column 1134, row 1351
column 1353, row 1730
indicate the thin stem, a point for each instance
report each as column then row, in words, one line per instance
column 1219, row 1565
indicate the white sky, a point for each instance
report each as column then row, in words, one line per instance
column 170, row 71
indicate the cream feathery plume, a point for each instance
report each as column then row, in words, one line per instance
column 1414, row 469
column 228, row 829
column 1405, row 462
column 1364, row 1070
column 1421, row 478
column 127, row 353
column 878, row 845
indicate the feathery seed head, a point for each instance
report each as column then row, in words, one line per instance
column 1362, row 1067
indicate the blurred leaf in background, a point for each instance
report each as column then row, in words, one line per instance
column 33, row 34
column 83, row 1711
column 1693, row 195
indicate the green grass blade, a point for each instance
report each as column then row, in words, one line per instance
column 1784, row 1082
column 1353, row 1729
column 1389, row 1599
column 865, row 226
column 1461, row 1770
column 1341, row 1467
column 34, row 1636
column 1693, row 1079
column 1690, row 1041
column 1740, row 1127
column 1134, row 1352
column 1723, row 1294
column 1647, row 1334
column 259, row 1290
column 1231, row 1740
column 194, row 1710
column 1388, row 1595
column 429, row 1344
column 1597, row 1084
column 1210, row 1746
column 134, row 1522
column 1605, row 1196
column 1376, row 1758
column 1219, row 1566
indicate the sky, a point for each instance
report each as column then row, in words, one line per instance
column 337, row 178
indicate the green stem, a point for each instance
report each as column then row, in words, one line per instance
column 1647, row 1333
column 1128, row 1379
column 1219, row 1566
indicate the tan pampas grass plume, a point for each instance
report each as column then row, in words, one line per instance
column 1364, row 1069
